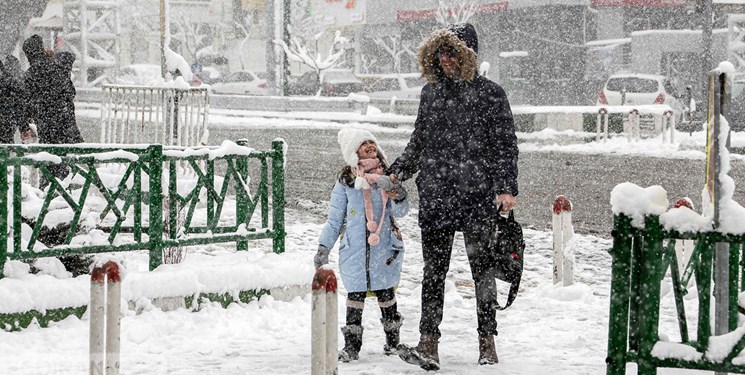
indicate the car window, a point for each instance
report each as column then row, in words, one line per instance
column 632, row 84
column 385, row 84
column 669, row 88
column 415, row 81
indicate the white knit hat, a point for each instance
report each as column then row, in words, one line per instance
column 350, row 140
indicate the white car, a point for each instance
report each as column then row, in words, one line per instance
column 139, row 75
column 242, row 82
column 402, row 86
column 639, row 89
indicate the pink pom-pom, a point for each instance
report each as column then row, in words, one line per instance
column 374, row 239
column 372, row 226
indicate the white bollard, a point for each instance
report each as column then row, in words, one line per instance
column 602, row 125
column 563, row 232
column 668, row 126
column 105, row 308
column 634, row 119
column 324, row 325
column 683, row 248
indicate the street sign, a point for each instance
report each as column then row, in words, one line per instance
column 337, row 13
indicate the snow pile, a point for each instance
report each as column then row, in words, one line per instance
column 224, row 273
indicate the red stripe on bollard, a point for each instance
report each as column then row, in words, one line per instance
column 684, row 202
column 324, row 279
column 562, row 204
column 110, row 269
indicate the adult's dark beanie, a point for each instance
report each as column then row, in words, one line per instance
column 467, row 33
column 33, row 46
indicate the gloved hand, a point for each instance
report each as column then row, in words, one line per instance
column 322, row 256
column 394, row 189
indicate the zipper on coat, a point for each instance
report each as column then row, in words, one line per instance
column 367, row 257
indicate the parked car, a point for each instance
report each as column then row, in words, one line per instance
column 305, row 85
column 139, row 75
column 333, row 82
column 402, row 86
column 241, row 82
column 210, row 75
column 632, row 88
column 340, row 82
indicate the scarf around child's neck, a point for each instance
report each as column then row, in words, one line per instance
column 368, row 171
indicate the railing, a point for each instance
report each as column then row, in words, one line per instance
column 143, row 114
column 114, row 199
column 641, row 259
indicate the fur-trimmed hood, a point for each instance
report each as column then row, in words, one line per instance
column 463, row 39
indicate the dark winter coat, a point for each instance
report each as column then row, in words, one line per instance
column 51, row 98
column 463, row 145
column 12, row 100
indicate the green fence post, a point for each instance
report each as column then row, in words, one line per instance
column 703, row 284
column 278, row 195
column 637, row 247
column 4, row 208
column 241, row 196
column 649, row 306
column 155, row 227
column 619, row 296
column 734, row 264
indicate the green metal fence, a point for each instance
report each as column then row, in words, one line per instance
column 642, row 258
column 139, row 200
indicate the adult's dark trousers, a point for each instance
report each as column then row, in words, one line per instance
column 437, row 247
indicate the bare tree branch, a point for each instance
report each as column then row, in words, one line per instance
column 455, row 11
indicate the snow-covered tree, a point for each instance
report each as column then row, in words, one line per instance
column 393, row 46
column 455, row 11
column 311, row 56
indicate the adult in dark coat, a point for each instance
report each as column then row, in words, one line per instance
column 51, row 96
column 465, row 151
column 12, row 100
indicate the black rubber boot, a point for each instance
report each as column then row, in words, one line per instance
column 392, row 330
column 352, row 343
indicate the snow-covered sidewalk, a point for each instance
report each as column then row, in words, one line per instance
column 561, row 329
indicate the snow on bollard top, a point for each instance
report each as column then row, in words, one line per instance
column 324, row 280
column 637, row 202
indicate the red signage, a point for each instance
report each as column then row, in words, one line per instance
column 638, row 3
column 422, row 14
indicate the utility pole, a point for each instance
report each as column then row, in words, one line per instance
column 271, row 62
column 163, row 68
column 286, row 38
column 706, row 38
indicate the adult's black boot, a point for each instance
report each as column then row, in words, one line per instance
column 487, row 350
column 424, row 355
column 352, row 343
column 392, row 330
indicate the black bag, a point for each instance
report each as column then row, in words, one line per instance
column 506, row 253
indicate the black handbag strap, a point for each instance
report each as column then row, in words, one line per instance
column 515, row 284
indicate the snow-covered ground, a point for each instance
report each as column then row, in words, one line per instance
column 549, row 328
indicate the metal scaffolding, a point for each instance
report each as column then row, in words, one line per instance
column 92, row 31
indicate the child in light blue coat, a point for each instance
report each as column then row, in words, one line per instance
column 361, row 211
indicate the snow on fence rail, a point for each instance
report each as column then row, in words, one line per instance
column 144, row 114
column 115, row 199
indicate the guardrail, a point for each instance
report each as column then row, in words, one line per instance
column 114, row 200
column 144, row 114
column 641, row 259
column 352, row 103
